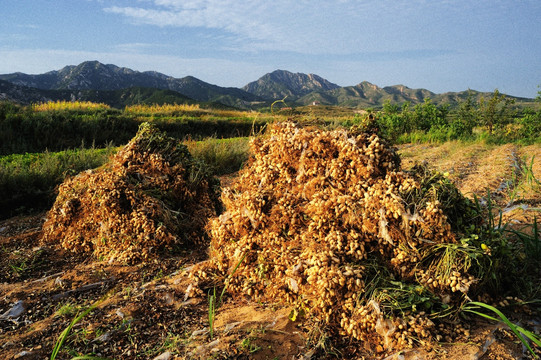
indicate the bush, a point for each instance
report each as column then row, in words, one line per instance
column 530, row 127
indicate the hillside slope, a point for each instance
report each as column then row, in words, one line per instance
column 93, row 75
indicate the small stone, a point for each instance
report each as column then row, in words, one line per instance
column 189, row 302
column 103, row 338
column 200, row 332
column 22, row 354
column 169, row 298
column 7, row 344
column 16, row 310
column 230, row 326
column 165, row 356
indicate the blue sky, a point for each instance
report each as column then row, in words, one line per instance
column 439, row 45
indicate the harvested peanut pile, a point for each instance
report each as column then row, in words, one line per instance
column 151, row 196
column 327, row 221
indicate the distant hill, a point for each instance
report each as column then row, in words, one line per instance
column 280, row 83
column 119, row 86
column 93, row 75
column 133, row 95
column 115, row 98
column 28, row 95
column 367, row 95
column 89, row 75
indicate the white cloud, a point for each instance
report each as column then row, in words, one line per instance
column 138, row 47
column 28, row 26
column 329, row 26
column 237, row 17
column 14, row 37
column 300, row 26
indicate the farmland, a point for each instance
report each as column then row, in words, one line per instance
column 192, row 302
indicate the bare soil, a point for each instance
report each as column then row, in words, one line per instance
column 144, row 311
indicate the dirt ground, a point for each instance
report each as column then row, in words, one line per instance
column 477, row 169
column 145, row 311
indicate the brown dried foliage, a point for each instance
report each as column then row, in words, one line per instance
column 309, row 212
column 151, row 196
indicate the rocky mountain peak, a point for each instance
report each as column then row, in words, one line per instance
column 281, row 83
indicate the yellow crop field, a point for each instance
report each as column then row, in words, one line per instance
column 69, row 105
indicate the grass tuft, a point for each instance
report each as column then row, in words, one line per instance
column 64, row 335
column 521, row 333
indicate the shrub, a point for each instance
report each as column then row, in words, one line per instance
column 530, row 127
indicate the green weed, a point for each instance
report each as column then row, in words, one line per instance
column 212, row 312
column 19, row 268
column 474, row 307
column 64, row 335
column 249, row 345
column 173, row 343
column 223, row 156
column 523, row 180
column 67, row 309
column 22, row 265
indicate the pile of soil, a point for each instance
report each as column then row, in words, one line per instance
column 326, row 221
column 149, row 197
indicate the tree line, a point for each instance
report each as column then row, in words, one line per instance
column 493, row 118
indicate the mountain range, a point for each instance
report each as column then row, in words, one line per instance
column 120, row 86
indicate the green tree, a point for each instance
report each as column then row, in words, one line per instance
column 496, row 111
column 389, row 108
column 467, row 116
column 530, row 122
column 428, row 115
